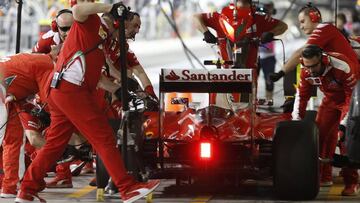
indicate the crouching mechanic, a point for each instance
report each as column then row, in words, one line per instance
column 335, row 76
column 78, row 70
column 23, row 75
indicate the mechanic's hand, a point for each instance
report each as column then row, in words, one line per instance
column 42, row 115
column 119, row 10
column 9, row 99
column 209, row 37
column 276, row 76
column 150, row 91
column 266, row 37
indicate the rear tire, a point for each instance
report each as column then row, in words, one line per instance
column 295, row 156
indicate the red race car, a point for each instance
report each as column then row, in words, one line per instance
column 229, row 138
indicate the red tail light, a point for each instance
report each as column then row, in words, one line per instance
column 205, row 150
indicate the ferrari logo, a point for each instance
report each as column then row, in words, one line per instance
column 7, row 81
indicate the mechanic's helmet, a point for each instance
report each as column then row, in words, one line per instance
column 235, row 30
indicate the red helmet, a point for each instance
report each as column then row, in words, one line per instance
column 235, row 29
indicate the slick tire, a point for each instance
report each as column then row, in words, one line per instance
column 295, row 159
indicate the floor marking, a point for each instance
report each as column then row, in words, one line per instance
column 201, row 199
column 335, row 192
column 81, row 192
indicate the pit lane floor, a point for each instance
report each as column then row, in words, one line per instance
column 168, row 192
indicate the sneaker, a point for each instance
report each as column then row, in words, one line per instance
column 139, row 190
column 58, row 182
column 350, row 190
column 23, row 197
column 76, row 169
column 326, row 184
column 7, row 193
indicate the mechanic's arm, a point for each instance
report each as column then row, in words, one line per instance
column 35, row 138
column 293, row 61
column 108, row 85
column 139, row 72
column 280, row 28
column 290, row 65
column 199, row 23
column 112, row 70
column 203, row 28
column 301, row 98
column 81, row 11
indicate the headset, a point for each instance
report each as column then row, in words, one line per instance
column 54, row 26
column 316, row 49
column 314, row 13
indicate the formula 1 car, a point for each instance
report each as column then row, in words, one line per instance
column 219, row 132
column 231, row 138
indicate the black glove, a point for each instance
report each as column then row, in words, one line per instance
column 133, row 85
column 276, row 76
column 288, row 105
column 266, row 37
column 119, row 10
column 209, row 37
column 42, row 115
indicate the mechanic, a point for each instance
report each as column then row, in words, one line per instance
column 264, row 27
column 78, row 70
column 267, row 55
column 60, row 27
column 325, row 35
column 133, row 65
column 23, row 75
column 335, row 76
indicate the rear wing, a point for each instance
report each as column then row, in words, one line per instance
column 206, row 81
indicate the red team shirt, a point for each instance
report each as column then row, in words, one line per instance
column 46, row 41
column 337, row 83
column 263, row 23
column 113, row 50
column 26, row 74
column 89, row 73
column 330, row 39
